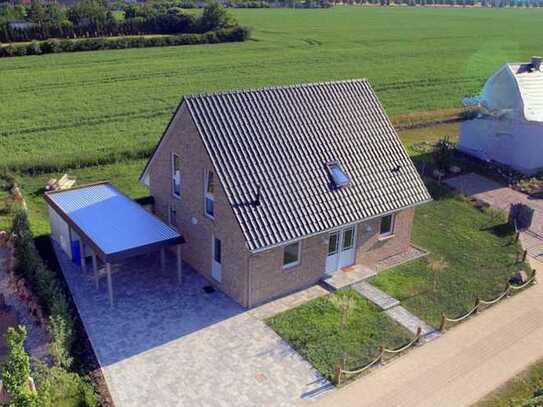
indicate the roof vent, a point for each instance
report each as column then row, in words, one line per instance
column 535, row 63
column 340, row 179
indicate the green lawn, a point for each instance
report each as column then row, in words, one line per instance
column 75, row 109
column 477, row 249
column 313, row 329
column 519, row 391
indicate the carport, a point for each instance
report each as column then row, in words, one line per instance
column 99, row 221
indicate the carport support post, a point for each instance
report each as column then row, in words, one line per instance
column 162, row 259
column 95, row 268
column 179, row 265
column 82, row 255
column 109, row 285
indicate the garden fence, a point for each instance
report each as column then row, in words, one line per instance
column 509, row 288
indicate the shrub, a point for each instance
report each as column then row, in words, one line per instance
column 33, row 48
column 16, row 370
column 60, row 385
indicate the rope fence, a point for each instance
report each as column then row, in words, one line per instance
column 383, row 351
column 340, row 366
column 509, row 288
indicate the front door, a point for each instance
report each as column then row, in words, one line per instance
column 341, row 249
column 216, row 259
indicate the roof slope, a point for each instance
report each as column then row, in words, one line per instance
column 530, row 85
column 281, row 139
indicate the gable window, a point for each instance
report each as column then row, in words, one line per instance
column 176, row 176
column 209, row 197
column 339, row 177
column 172, row 217
column 291, row 255
column 387, row 225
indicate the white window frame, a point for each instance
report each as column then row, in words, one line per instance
column 207, row 195
column 390, row 233
column 174, row 194
column 299, row 257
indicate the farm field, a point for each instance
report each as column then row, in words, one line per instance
column 73, row 110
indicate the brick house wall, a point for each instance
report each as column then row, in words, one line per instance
column 250, row 279
column 198, row 229
column 269, row 280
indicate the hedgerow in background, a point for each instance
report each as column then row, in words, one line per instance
column 94, row 18
column 55, row 46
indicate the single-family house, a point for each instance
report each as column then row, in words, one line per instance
column 273, row 188
column 508, row 127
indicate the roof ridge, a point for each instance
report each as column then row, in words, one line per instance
column 274, row 87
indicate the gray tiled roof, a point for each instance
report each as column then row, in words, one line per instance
column 281, row 138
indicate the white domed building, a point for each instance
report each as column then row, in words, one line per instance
column 508, row 127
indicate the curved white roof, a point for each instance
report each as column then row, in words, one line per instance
column 530, row 85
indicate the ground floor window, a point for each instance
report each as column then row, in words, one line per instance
column 291, row 255
column 387, row 225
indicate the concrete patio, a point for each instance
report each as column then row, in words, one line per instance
column 163, row 344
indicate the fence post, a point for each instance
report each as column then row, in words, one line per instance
column 381, row 353
column 517, row 235
column 443, row 323
column 476, row 306
column 339, row 368
column 419, row 335
column 524, row 254
column 508, row 289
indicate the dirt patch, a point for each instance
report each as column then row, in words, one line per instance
column 427, row 119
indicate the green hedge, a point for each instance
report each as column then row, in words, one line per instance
column 49, row 288
column 53, row 46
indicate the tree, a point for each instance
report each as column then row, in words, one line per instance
column 214, row 17
column 16, row 371
column 37, row 13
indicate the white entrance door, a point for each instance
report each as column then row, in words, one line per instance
column 216, row 259
column 341, row 249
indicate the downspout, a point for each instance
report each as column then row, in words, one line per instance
column 248, row 280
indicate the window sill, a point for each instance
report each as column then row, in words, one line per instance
column 382, row 238
column 290, row 266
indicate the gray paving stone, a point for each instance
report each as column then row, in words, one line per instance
column 408, row 320
column 164, row 345
column 378, row 297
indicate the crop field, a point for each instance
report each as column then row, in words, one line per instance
column 73, row 110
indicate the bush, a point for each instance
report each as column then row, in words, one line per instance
column 16, row 370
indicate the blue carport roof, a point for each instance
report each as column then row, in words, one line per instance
column 110, row 222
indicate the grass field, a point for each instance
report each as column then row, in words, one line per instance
column 91, row 107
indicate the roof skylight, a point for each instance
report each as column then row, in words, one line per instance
column 338, row 175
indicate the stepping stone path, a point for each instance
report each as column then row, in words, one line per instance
column 408, row 320
column 378, row 297
column 394, row 310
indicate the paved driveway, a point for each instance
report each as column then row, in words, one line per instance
column 166, row 345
